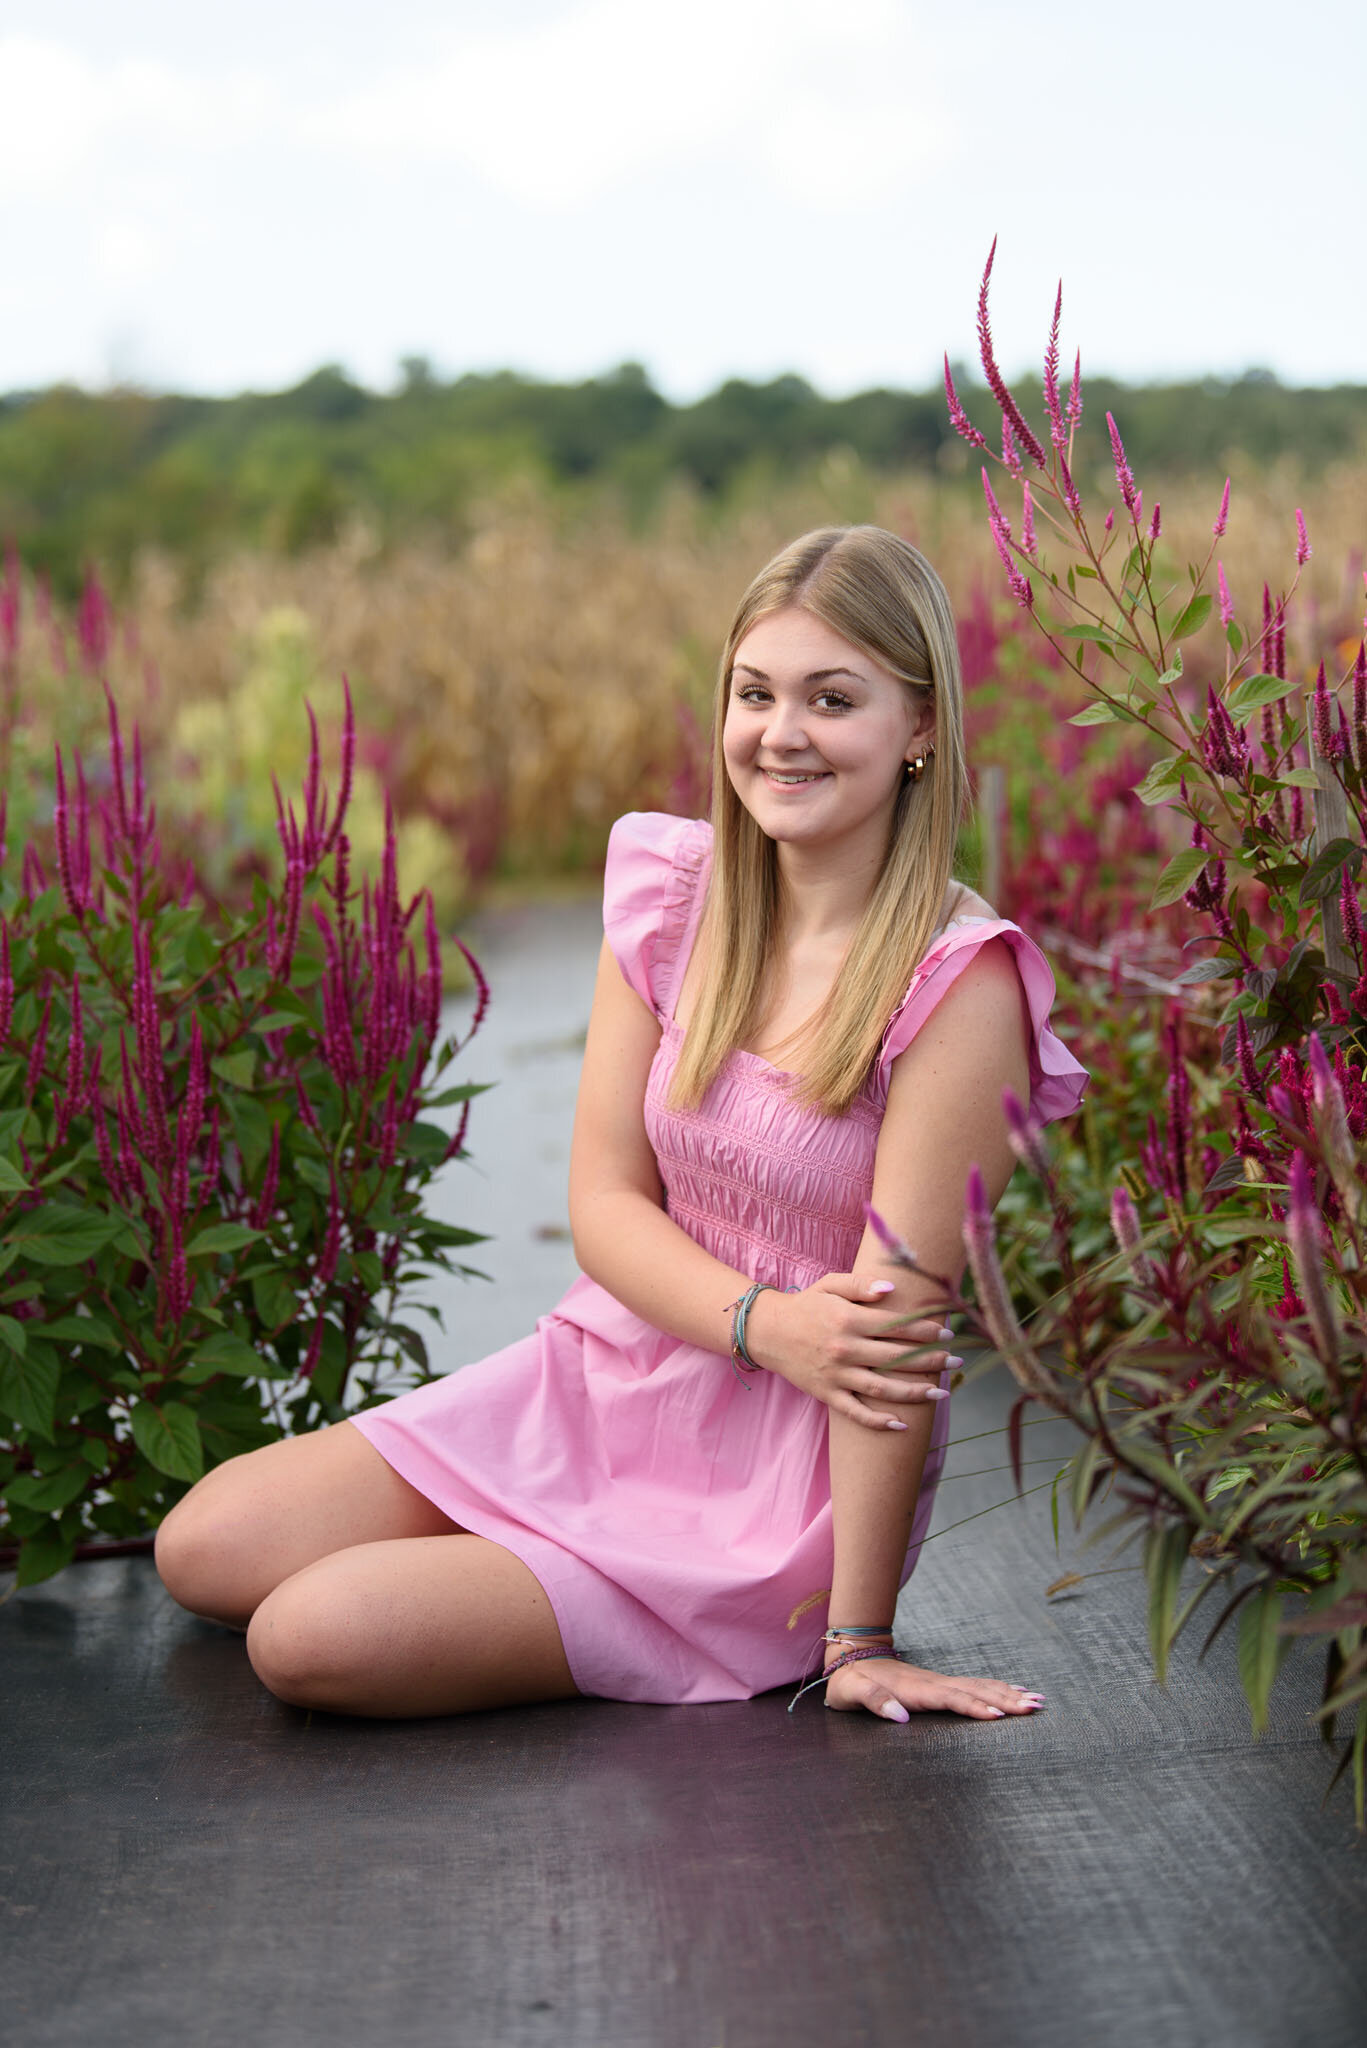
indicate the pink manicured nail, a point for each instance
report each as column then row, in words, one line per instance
column 946, row 1333
column 883, row 1287
column 935, row 1394
column 997, row 1713
column 894, row 1711
column 893, row 1423
column 953, row 1363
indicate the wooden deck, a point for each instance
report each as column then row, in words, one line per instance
column 186, row 1861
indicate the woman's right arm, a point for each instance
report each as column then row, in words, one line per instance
column 625, row 1241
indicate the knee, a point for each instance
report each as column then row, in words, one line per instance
column 296, row 1642
column 197, row 1552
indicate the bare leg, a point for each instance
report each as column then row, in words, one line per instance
column 258, row 1519
column 419, row 1625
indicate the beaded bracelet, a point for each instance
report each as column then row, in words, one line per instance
column 739, row 1312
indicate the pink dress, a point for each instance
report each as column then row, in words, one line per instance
column 675, row 1517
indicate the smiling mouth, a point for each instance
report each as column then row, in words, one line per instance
column 792, row 780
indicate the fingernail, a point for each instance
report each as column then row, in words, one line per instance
column 953, row 1364
column 893, row 1710
column 946, row 1333
column 935, row 1394
column 996, row 1713
column 893, row 1423
column 886, row 1287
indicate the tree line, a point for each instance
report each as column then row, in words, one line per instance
column 90, row 476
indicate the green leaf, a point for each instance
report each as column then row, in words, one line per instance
column 1096, row 714
column 168, row 1438
column 1261, row 1650
column 1322, row 875
column 1165, row 1553
column 1099, row 635
column 48, row 1492
column 59, row 1235
column 1253, row 691
column 223, row 1352
column 13, row 1335
column 464, row 1093
column 13, row 1179
column 1191, row 619
column 1162, row 779
column 238, row 1069
column 426, row 1143
column 1178, row 876
column 277, row 1020
column 1207, row 970
column 42, row 1556
column 83, row 1329
column 28, row 1388
column 221, row 1237
column 1299, row 778
column 274, row 1299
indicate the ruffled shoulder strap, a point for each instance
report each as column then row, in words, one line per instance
column 1056, row 1079
column 651, row 899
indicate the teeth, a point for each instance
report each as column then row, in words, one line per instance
column 774, row 776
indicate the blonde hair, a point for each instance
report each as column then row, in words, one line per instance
column 881, row 595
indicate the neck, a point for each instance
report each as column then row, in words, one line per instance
column 825, row 892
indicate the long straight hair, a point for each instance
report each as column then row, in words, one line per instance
column 881, row 595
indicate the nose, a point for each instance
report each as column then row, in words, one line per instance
column 785, row 729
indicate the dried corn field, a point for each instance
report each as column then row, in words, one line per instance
column 518, row 694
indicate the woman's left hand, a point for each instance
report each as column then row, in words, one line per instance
column 895, row 1691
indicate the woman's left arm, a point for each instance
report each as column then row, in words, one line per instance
column 944, row 1115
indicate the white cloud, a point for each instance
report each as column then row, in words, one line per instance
column 610, row 91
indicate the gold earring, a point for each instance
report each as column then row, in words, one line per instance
column 914, row 770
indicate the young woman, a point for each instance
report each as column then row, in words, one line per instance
column 715, row 1449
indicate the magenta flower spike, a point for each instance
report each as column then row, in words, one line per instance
column 1071, row 496
column 897, row 1248
column 312, row 784
column 1029, row 543
column 264, row 1207
column 1023, row 1135
column 1360, row 705
column 1125, row 1219
column 995, row 381
column 38, row 1052
column 1322, row 719
column 481, row 988
column 6, row 981
column 61, row 826
column 1058, row 432
column 958, row 418
column 1155, row 522
column 1123, row 475
column 108, row 1164
column 1075, row 395
column 1350, row 914
column 1302, row 540
column 1303, row 1234
column 1011, row 461
column 1222, row 516
column 994, row 1297
column 348, row 767
column 1226, row 601
column 1108, row 522
column 1001, row 535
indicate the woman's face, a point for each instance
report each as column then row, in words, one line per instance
column 817, row 734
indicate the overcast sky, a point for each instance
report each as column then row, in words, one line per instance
column 215, row 198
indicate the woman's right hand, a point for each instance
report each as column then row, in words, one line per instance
column 836, row 1341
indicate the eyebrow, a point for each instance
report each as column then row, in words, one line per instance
column 818, row 675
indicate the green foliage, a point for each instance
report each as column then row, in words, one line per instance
column 213, row 1159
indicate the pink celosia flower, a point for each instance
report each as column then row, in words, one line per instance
column 1226, row 601
column 1302, row 540
column 1222, row 516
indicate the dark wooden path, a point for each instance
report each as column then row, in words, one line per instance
column 185, row 1861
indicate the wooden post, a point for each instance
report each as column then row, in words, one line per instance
column 991, row 830
column 1331, row 822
